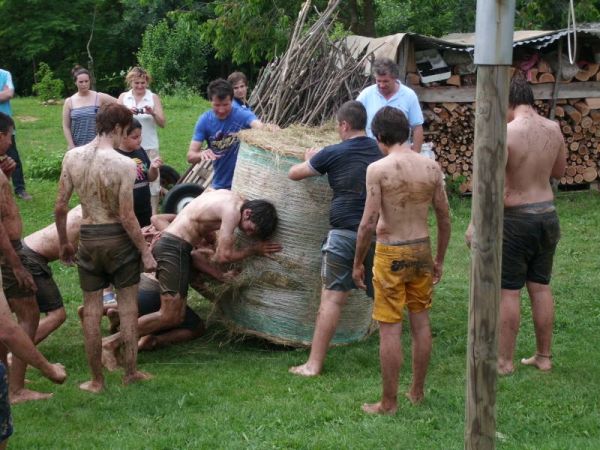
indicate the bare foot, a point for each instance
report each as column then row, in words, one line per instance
column 377, row 408
column 135, row 377
column 92, row 386
column 415, row 399
column 305, row 370
column 26, row 395
column 505, row 368
column 542, row 362
column 109, row 359
column 113, row 318
column 147, row 342
column 58, row 374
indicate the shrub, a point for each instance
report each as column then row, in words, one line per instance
column 175, row 54
column 47, row 87
column 44, row 165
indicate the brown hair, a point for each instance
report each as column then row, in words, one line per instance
column 354, row 113
column 112, row 115
column 520, row 92
column 137, row 72
column 390, row 126
column 79, row 70
column 236, row 77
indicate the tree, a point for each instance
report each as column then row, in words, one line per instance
column 175, row 53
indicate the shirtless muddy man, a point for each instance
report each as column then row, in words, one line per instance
column 536, row 152
column 110, row 242
column 220, row 210
column 400, row 189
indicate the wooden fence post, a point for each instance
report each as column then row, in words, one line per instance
column 493, row 54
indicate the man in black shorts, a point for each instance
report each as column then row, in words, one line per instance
column 43, row 247
column 345, row 165
column 536, row 153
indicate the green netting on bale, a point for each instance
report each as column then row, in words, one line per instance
column 278, row 298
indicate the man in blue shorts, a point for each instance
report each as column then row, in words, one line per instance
column 389, row 91
column 345, row 165
column 218, row 128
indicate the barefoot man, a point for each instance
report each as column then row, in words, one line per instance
column 400, row 189
column 346, row 166
column 110, row 240
column 43, row 247
column 536, row 153
column 21, row 288
column 220, row 210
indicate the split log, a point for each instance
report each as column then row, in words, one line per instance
column 454, row 80
column 572, row 113
column 583, row 108
column 546, row 78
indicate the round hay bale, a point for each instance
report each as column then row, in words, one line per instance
column 279, row 297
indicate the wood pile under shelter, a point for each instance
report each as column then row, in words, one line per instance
column 567, row 93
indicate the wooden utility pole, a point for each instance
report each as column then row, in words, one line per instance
column 493, row 56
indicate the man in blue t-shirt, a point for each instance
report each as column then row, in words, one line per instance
column 345, row 165
column 219, row 128
column 7, row 91
column 388, row 91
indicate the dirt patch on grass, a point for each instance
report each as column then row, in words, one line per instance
column 27, row 118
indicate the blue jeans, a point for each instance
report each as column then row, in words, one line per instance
column 17, row 177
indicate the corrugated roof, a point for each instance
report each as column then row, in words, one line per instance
column 387, row 46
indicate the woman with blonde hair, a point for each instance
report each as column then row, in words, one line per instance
column 79, row 110
column 148, row 110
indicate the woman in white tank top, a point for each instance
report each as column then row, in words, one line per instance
column 147, row 108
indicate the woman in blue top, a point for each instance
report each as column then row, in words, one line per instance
column 79, row 110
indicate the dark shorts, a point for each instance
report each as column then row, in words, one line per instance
column 6, row 428
column 9, row 281
column 48, row 295
column 149, row 302
column 338, row 260
column 106, row 256
column 531, row 233
column 173, row 264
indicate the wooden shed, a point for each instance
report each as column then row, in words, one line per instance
column 568, row 93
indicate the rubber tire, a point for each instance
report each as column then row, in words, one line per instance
column 168, row 177
column 178, row 197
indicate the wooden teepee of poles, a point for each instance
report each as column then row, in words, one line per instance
column 308, row 83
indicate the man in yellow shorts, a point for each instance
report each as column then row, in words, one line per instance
column 400, row 189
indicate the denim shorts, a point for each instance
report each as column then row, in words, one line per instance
column 338, row 259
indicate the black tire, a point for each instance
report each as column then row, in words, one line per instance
column 168, row 177
column 178, row 197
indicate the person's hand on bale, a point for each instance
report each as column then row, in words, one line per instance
column 265, row 248
column 310, row 152
column 208, row 155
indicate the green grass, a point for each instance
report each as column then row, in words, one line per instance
column 220, row 392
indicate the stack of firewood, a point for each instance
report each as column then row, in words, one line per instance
column 579, row 120
column 450, row 127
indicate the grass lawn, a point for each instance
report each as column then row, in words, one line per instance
column 222, row 392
